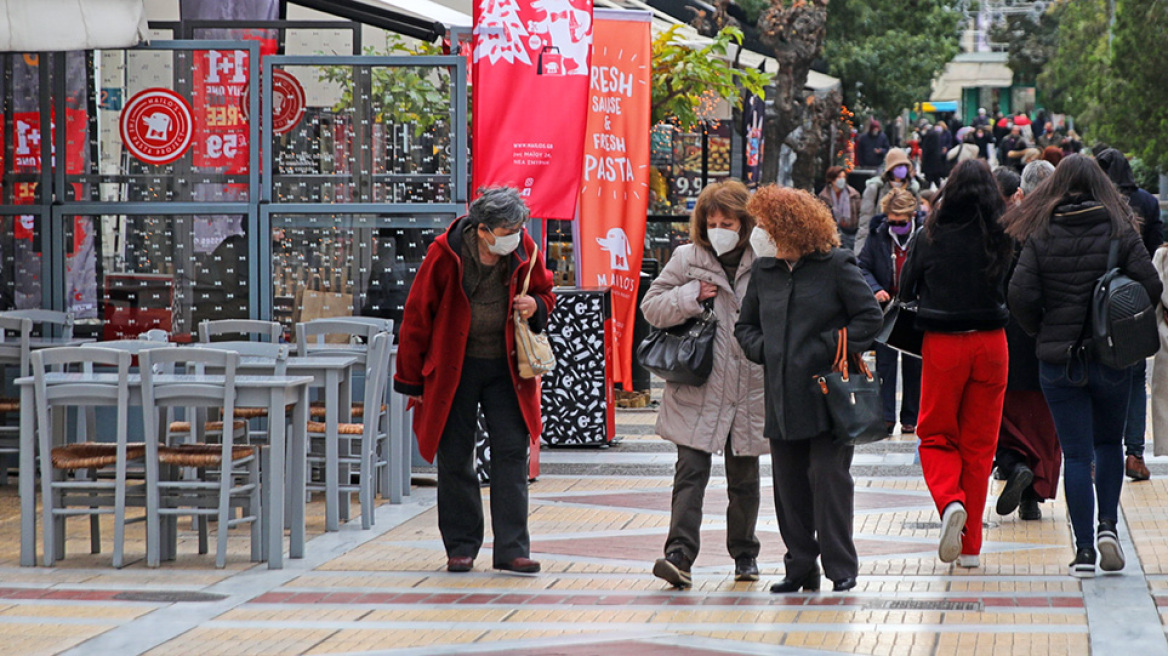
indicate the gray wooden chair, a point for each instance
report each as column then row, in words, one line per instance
column 277, row 354
column 84, row 493
column 212, row 328
column 15, row 333
column 45, row 318
column 226, row 475
column 364, row 443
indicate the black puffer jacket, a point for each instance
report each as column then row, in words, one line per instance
column 1056, row 274
column 946, row 272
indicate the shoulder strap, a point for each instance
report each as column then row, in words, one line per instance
column 530, row 266
column 1113, row 254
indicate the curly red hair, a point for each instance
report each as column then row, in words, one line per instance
column 799, row 223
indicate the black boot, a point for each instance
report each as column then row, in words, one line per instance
column 809, row 582
column 1028, row 509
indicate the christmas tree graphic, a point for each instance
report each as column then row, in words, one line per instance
column 500, row 33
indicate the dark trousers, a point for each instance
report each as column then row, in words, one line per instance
column 689, row 489
column 1089, row 420
column 460, row 504
column 1137, row 410
column 910, row 401
column 814, row 498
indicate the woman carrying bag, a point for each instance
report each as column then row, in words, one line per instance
column 725, row 414
column 803, row 290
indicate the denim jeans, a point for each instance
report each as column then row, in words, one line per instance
column 1137, row 410
column 1089, row 420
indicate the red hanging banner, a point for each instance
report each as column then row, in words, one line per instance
column 614, row 194
column 530, row 72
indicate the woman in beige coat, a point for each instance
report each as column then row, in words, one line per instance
column 1160, row 364
column 726, row 415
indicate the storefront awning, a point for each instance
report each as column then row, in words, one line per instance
column 428, row 9
column 59, row 25
column 379, row 14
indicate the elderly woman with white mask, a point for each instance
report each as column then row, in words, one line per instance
column 725, row 415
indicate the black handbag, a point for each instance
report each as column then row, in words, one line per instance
column 682, row 354
column 853, row 398
column 899, row 331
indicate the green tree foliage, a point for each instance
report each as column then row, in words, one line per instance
column 1031, row 40
column 1072, row 80
column 684, row 76
column 894, row 49
column 401, row 94
column 1134, row 117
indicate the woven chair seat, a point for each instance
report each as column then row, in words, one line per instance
column 92, row 455
column 200, row 455
column 342, row 429
column 185, row 426
column 256, row 413
column 8, row 404
column 316, row 409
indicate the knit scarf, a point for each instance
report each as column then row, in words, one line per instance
column 841, row 205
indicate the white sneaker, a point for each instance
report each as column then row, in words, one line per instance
column 1110, row 554
column 969, row 560
column 952, row 523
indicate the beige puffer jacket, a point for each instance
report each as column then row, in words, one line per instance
column 731, row 401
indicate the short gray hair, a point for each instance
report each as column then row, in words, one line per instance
column 1034, row 173
column 499, row 207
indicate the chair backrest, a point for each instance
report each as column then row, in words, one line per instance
column 310, row 335
column 16, row 349
column 376, row 374
column 76, row 391
column 51, row 317
column 162, row 390
column 131, row 346
column 278, row 353
column 155, row 335
column 270, row 329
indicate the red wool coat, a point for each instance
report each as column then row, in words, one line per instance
column 432, row 338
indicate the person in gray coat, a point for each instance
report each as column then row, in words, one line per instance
column 803, row 289
column 725, row 415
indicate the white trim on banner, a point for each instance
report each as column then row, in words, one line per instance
column 60, row 25
column 429, row 10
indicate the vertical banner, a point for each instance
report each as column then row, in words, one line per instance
column 530, row 73
column 614, row 195
column 753, row 113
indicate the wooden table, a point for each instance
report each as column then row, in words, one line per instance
column 285, row 447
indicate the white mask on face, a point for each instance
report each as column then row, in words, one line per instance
column 840, row 183
column 761, row 242
column 506, row 244
column 722, row 240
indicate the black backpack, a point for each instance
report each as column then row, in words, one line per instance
column 1123, row 317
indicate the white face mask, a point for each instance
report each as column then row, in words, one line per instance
column 761, row 242
column 722, row 240
column 506, row 244
column 840, row 183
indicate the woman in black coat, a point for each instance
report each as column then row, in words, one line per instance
column 1068, row 225
column 803, row 289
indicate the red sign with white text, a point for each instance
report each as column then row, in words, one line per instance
column 614, row 194
column 530, row 71
column 156, row 126
column 220, row 79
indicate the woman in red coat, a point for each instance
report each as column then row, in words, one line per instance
column 457, row 352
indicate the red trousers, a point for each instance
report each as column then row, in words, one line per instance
column 963, row 384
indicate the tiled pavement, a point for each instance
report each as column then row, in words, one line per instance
column 385, row 591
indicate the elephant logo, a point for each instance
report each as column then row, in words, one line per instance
column 617, row 245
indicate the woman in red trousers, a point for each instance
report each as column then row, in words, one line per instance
column 956, row 271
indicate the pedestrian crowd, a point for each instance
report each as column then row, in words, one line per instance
column 999, row 269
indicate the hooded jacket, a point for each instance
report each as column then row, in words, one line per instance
column 1143, row 204
column 1053, row 282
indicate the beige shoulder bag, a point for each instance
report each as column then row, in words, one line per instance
column 533, row 350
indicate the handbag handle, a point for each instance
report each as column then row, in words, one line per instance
column 530, row 266
column 841, row 353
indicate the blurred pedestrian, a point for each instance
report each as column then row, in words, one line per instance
column 1052, row 154
column 933, row 152
column 956, row 272
column 1147, row 213
column 898, row 174
column 794, row 335
column 1011, row 149
column 724, row 415
column 1067, row 226
column 872, row 146
column 844, row 201
column 881, row 261
column 967, row 149
column 1028, row 456
column 457, row 337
